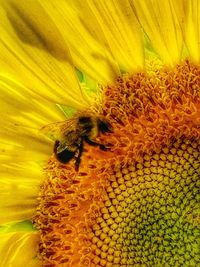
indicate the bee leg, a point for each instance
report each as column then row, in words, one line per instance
column 92, row 143
column 78, row 158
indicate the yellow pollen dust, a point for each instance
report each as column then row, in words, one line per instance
column 138, row 204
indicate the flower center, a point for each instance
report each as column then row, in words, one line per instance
column 150, row 215
column 138, row 204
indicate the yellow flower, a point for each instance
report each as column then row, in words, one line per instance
column 137, row 64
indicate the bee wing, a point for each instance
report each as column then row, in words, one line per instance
column 61, row 147
column 57, row 131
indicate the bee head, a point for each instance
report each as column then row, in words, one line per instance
column 104, row 126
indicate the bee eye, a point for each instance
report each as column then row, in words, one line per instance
column 104, row 126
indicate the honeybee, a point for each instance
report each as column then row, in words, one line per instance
column 70, row 136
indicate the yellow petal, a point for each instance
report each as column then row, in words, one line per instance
column 161, row 21
column 19, row 187
column 25, row 226
column 88, row 53
column 19, row 249
column 21, row 145
column 33, row 49
column 18, row 101
column 121, row 30
column 192, row 29
column 22, row 115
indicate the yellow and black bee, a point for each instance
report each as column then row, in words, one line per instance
column 70, row 135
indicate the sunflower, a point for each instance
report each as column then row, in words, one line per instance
column 136, row 64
